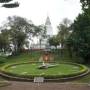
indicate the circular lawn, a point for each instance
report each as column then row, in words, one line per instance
column 31, row 70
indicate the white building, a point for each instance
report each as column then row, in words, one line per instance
column 49, row 33
column 49, row 29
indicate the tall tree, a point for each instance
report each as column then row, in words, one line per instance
column 80, row 38
column 85, row 4
column 4, row 41
column 19, row 32
column 42, row 33
column 64, row 31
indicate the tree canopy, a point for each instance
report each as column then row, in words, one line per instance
column 80, row 38
column 20, row 32
column 63, row 31
column 54, row 41
column 9, row 4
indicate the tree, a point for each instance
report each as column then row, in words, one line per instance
column 80, row 37
column 64, row 31
column 41, row 33
column 6, row 4
column 85, row 4
column 19, row 32
column 4, row 41
column 54, row 41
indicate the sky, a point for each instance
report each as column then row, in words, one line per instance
column 38, row 10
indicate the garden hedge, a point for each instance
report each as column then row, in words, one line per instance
column 4, row 71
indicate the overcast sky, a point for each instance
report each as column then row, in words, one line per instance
column 37, row 11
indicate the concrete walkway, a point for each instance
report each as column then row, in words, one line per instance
column 44, row 86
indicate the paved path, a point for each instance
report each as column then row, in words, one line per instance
column 44, row 86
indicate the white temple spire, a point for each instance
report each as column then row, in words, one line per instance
column 49, row 30
column 48, row 22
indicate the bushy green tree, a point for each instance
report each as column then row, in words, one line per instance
column 54, row 41
column 80, row 38
column 63, row 31
column 20, row 32
column 4, row 41
column 41, row 33
column 85, row 4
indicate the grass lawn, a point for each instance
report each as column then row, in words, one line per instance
column 85, row 79
column 24, row 57
column 34, row 56
column 32, row 69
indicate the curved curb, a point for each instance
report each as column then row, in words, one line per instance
column 12, row 77
column 4, row 83
column 46, row 80
column 69, row 78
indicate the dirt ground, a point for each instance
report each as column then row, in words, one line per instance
column 15, row 85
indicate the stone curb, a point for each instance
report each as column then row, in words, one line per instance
column 4, row 83
column 46, row 80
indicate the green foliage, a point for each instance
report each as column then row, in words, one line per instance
column 85, row 4
column 80, row 38
column 41, row 33
column 64, row 31
column 54, row 41
column 34, row 57
column 17, row 33
column 4, row 41
column 66, row 70
column 6, row 4
column 11, row 5
column 5, row 1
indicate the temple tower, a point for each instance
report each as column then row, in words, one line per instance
column 49, row 29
